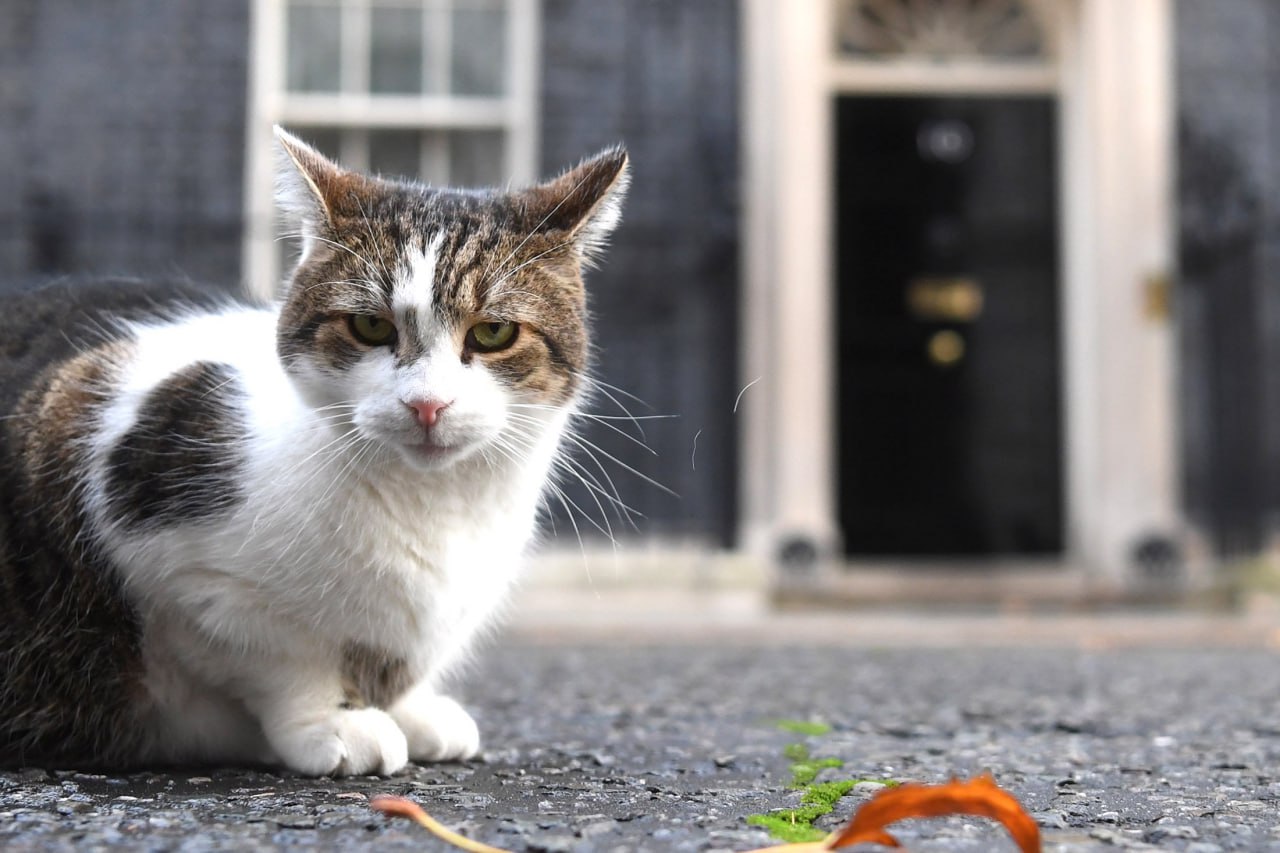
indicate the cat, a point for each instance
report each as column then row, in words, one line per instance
column 245, row 534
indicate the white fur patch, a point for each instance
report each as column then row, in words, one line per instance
column 414, row 289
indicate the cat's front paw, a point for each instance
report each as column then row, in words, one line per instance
column 437, row 728
column 346, row 743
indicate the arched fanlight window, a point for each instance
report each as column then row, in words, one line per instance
column 944, row 30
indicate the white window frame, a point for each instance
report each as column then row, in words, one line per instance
column 355, row 109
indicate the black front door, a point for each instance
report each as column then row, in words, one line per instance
column 949, row 380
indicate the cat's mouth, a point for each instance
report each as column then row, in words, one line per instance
column 430, row 454
column 431, row 451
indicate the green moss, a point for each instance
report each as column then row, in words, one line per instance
column 817, row 798
column 804, row 769
column 803, row 727
column 804, row 772
column 825, row 794
column 784, row 827
column 796, row 752
column 796, row 825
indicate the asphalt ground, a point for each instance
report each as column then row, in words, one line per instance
column 672, row 744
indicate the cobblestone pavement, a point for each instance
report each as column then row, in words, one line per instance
column 671, row 747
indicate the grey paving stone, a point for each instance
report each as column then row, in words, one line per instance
column 671, row 748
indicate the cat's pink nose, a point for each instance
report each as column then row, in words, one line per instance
column 428, row 411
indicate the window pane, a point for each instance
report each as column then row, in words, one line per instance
column 475, row 158
column 435, row 166
column 314, row 48
column 326, row 140
column 395, row 50
column 479, row 65
column 395, row 153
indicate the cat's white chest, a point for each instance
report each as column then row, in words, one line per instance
column 443, row 565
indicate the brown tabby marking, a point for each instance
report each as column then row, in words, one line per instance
column 62, row 403
column 371, row 678
column 54, row 580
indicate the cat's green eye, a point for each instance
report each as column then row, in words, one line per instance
column 489, row 337
column 371, row 330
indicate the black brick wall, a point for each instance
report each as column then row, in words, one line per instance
column 1228, row 102
column 123, row 128
column 662, row 76
column 122, row 131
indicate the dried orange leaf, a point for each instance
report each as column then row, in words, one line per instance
column 980, row 796
column 402, row 807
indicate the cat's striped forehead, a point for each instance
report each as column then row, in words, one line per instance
column 435, row 263
column 414, row 289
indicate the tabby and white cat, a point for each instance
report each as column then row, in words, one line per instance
column 239, row 534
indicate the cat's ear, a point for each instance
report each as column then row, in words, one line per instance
column 312, row 189
column 585, row 201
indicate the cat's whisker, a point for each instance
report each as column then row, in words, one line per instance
column 577, row 532
column 525, row 441
column 625, row 513
column 591, row 449
column 593, row 415
column 606, row 390
column 612, row 492
column 604, row 422
column 588, row 479
column 336, row 245
column 329, row 414
column 600, row 383
column 567, row 503
column 510, row 452
column 607, row 528
column 351, row 432
column 341, row 405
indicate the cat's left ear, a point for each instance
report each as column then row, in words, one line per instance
column 585, row 202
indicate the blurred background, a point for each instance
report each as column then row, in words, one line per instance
column 913, row 299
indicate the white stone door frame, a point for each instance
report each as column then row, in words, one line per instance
column 1116, row 165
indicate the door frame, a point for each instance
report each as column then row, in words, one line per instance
column 1114, row 83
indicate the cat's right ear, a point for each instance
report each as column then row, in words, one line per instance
column 311, row 189
column 584, row 202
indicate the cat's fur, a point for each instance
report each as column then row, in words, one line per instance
column 238, row 534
